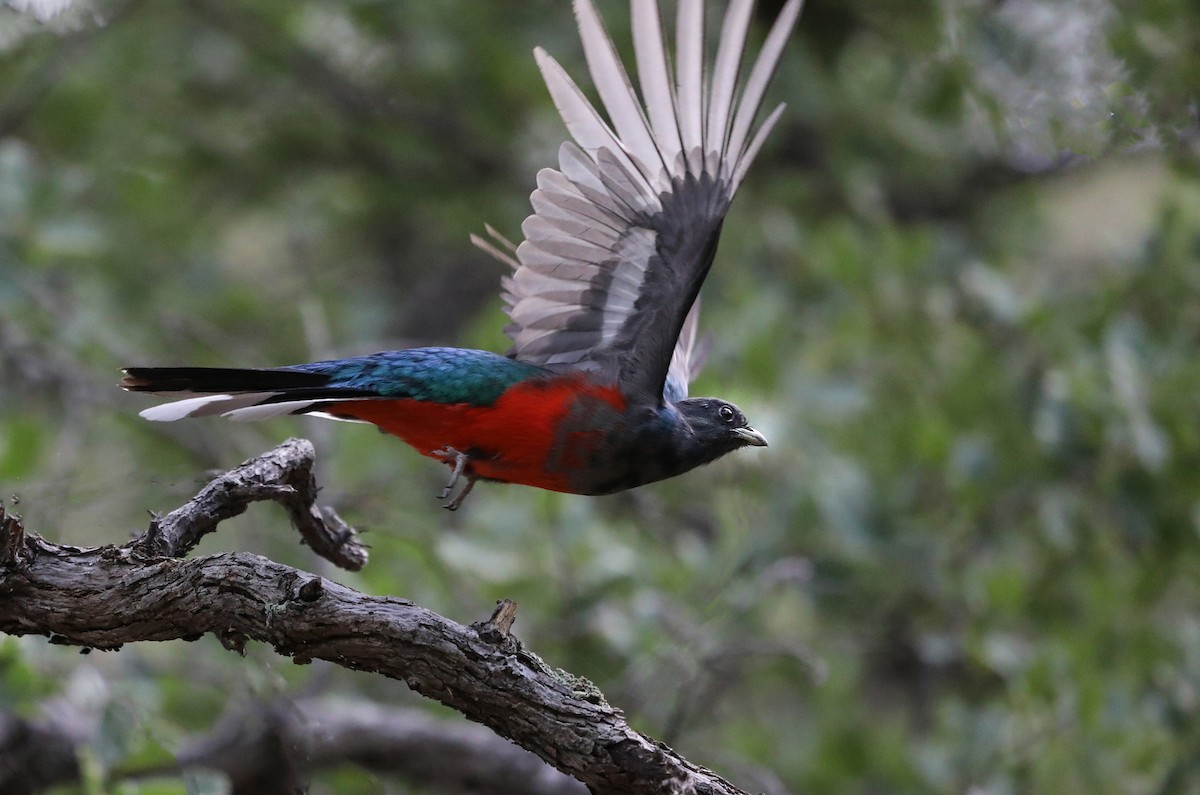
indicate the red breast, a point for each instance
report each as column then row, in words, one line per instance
column 513, row 440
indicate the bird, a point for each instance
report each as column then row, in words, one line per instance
column 603, row 295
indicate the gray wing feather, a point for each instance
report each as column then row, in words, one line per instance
column 760, row 76
column 725, row 70
column 654, row 69
column 554, row 189
column 624, row 231
column 616, row 92
column 689, row 44
column 583, row 122
column 685, row 361
column 756, row 143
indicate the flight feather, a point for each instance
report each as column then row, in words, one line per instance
column 624, row 231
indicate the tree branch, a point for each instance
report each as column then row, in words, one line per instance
column 266, row 748
column 454, row 757
column 283, row 475
column 108, row 596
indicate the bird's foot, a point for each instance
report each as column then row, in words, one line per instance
column 452, row 458
column 458, row 461
column 462, row 495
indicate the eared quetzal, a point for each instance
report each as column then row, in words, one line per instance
column 592, row 396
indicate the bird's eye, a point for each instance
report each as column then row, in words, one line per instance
column 726, row 413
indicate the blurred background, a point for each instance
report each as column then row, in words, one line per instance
column 960, row 293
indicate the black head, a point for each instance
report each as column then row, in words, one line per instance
column 718, row 425
column 669, row 440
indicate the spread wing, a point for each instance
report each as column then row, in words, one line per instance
column 624, row 232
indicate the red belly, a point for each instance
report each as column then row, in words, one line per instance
column 512, row 440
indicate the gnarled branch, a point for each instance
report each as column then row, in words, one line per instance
column 108, row 596
column 273, row 747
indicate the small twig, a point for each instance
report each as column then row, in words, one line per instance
column 502, row 618
column 12, row 537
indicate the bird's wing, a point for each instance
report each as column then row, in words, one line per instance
column 624, row 232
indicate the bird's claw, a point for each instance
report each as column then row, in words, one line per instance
column 462, row 495
column 458, row 460
column 451, row 457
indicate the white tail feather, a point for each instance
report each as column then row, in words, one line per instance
column 202, row 406
column 325, row 416
column 282, row 409
column 241, row 407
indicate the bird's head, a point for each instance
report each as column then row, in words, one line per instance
column 718, row 426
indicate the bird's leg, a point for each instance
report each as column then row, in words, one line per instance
column 457, row 460
column 462, row 495
column 448, row 455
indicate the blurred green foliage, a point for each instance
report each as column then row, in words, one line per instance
column 960, row 293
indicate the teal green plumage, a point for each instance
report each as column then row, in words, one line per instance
column 441, row 375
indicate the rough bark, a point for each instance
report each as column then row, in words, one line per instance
column 105, row 597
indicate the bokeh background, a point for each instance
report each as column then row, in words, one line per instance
column 960, row 293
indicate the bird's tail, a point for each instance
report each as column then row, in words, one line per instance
column 235, row 393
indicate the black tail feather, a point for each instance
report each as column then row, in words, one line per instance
column 218, row 380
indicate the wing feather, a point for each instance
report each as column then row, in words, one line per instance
column 654, row 69
column 560, row 206
column 725, row 71
column 486, row 245
column 570, row 228
column 624, row 231
column 760, row 76
column 616, row 92
column 684, row 361
column 689, row 38
column 583, row 122
column 739, row 173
